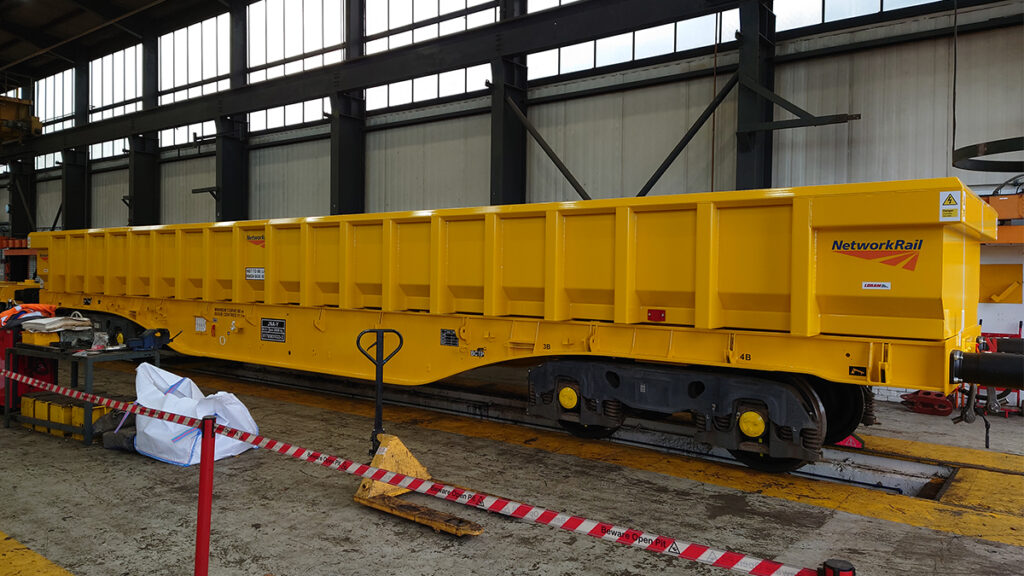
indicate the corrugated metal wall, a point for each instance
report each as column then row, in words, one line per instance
column 904, row 94
column 108, row 188
column 290, row 180
column 613, row 143
column 442, row 164
column 178, row 205
column 47, row 203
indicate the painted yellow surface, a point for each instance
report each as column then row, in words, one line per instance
column 16, row 119
column 7, row 289
column 17, row 560
column 59, row 410
column 859, row 283
column 970, row 457
column 988, row 491
column 1001, row 283
column 938, row 516
column 752, row 424
column 395, row 457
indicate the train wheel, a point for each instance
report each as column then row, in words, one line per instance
column 775, row 465
column 590, row 432
column 844, row 408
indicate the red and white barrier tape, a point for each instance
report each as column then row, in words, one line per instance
column 636, row 538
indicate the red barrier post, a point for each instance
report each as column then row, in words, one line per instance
column 205, row 497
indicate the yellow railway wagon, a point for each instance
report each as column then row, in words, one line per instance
column 715, row 304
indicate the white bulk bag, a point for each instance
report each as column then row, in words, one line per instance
column 177, row 444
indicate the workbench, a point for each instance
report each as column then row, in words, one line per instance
column 77, row 362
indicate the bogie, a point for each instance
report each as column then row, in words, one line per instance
column 774, row 422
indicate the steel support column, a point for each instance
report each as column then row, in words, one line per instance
column 75, row 194
column 238, row 32
column 22, row 185
column 348, row 127
column 348, row 154
column 144, row 149
column 232, row 168
column 233, row 133
column 22, row 197
column 756, row 50
column 143, row 179
column 508, row 134
column 75, row 197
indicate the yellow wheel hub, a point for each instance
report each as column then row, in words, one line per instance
column 568, row 398
column 752, row 424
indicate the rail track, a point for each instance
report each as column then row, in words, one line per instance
column 498, row 394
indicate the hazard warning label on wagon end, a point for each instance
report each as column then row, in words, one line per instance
column 949, row 206
column 272, row 330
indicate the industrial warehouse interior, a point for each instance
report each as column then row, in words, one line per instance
column 523, row 287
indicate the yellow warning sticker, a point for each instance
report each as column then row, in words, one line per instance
column 949, row 206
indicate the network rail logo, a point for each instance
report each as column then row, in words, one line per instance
column 256, row 239
column 903, row 253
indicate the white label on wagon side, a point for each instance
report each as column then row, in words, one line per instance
column 876, row 285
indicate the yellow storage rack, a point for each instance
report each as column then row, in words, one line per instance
column 53, row 408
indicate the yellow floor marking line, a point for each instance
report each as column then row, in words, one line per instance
column 971, row 457
column 939, row 516
column 17, row 560
column 987, row 491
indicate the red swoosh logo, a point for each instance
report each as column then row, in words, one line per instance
column 906, row 258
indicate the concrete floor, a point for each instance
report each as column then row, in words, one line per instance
column 98, row 512
column 1006, row 435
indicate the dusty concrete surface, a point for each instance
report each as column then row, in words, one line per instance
column 99, row 512
column 1006, row 435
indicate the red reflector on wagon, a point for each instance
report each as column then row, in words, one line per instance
column 655, row 315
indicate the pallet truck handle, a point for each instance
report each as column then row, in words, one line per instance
column 380, row 332
column 378, row 362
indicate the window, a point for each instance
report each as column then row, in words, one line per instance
column 298, row 113
column 392, row 24
column 187, row 134
column 840, row 9
column 289, row 37
column 54, row 104
column 650, row 42
column 538, row 5
column 115, row 89
column 791, row 14
column 897, row 4
column 194, row 61
column 430, row 87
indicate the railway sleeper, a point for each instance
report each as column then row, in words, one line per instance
column 776, row 418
